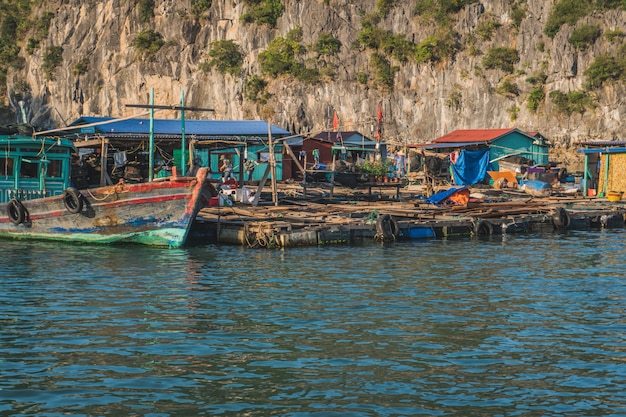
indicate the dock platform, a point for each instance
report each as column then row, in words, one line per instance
column 353, row 218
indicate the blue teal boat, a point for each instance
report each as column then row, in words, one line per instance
column 39, row 201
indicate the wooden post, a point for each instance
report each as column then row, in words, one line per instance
column 218, row 225
column 257, row 195
column 272, row 163
column 293, row 155
column 332, row 177
column 104, row 151
column 605, row 190
column 430, row 189
column 300, row 167
column 242, row 172
column 151, row 146
column 304, row 177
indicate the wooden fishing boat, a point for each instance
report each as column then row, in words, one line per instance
column 39, row 201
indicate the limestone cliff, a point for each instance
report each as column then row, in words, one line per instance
column 101, row 69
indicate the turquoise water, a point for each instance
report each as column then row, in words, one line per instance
column 526, row 325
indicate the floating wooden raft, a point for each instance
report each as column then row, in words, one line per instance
column 309, row 223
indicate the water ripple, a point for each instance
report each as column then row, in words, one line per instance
column 527, row 325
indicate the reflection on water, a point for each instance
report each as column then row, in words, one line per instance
column 526, row 325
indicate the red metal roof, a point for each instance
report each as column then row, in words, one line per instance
column 442, row 145
column 472, row 135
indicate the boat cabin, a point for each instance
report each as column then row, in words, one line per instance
column 34, row 167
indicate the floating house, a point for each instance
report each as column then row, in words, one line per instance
column 604, row 167
column 184, row 144
column 318, row 152
column 474, row 151
column 325, row 142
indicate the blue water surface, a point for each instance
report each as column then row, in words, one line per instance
column 522, row 325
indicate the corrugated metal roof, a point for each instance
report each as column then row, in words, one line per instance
column 606, row 143
column 473, row 135
column 173, row 127
column 446, row 145
column 351, row 136
column 607, row 149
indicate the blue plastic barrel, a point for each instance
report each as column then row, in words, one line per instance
column 420, row 233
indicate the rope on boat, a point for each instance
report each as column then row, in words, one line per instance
column 116, row 190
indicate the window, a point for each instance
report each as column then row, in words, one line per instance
column 264, row 156
column 29, row 168
column 55, row 169
column 6, row 167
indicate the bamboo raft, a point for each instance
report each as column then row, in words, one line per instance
column 352, row 218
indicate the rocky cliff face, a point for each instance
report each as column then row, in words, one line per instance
column 425, row 100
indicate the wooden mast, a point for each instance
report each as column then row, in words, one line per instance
column 182, row 108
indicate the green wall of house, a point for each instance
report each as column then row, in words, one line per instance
column 518, row 144
column 256, row 153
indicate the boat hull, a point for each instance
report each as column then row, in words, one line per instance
column 157, row 213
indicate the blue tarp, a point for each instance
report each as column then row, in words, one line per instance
column 537, row 188
column 471, row 167
column 442, row 196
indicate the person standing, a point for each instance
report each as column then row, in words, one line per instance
column 226, row 168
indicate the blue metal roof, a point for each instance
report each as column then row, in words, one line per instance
column 351, row 136
column 173, row 127
column 615, row 149
column 603, row 143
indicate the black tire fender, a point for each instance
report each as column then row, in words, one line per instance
column 483, row 228
column 73, row 200
column 387, row 227
column 16, row 211
column 561, row 218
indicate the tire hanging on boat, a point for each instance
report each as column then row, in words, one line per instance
column 387, row 228
column 73, row 200
column 483, row 228
column 16, row 211
column 561, row 219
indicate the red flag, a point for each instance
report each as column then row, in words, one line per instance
column 335, row 121
column 380, row 114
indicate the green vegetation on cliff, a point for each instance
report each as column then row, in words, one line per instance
column 572, row 102
column 441, row 11
column 224, row 56
column 501, row 57
column 52, row 58
column 570, row 11
column 584, row 36
column 148, row 42
column 263, row 12
column 605, row 68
